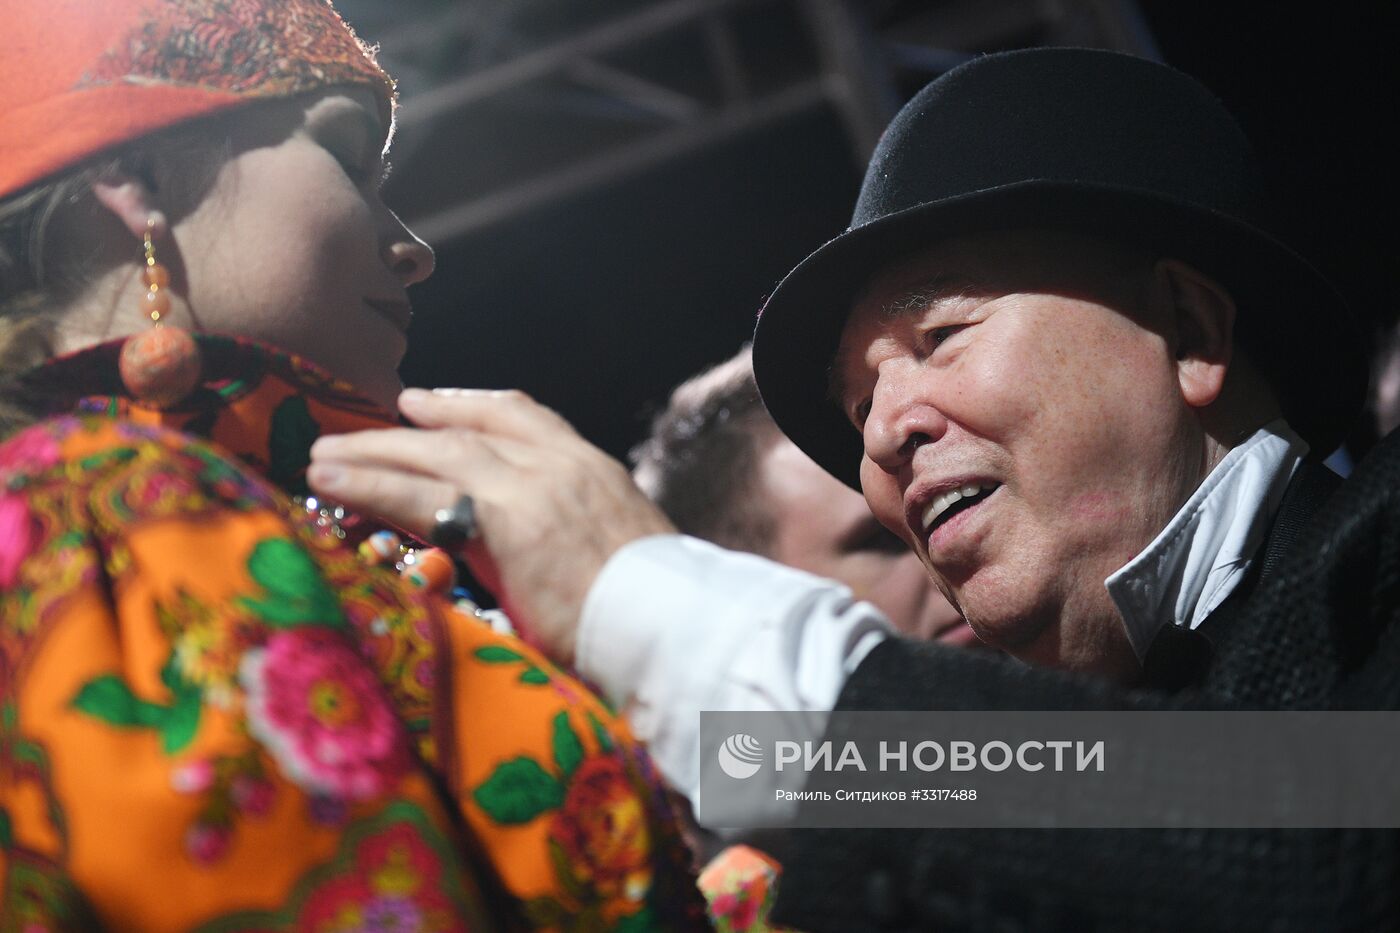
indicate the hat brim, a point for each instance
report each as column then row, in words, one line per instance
column 1292, row 323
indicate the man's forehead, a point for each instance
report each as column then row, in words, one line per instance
column 998, row 262
column 913, row 296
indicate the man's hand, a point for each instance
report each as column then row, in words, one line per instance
column 551, row 507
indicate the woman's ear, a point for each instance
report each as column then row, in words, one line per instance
column 130, row 200
column 1203, row 324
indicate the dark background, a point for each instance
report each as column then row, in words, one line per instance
column 599, row 301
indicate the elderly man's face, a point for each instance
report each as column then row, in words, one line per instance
column 1036, row 377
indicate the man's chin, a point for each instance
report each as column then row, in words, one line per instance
column 1033, row 636
column 1024, row 639
column 1048, row 645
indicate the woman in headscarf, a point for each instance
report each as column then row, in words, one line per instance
column 224, row 705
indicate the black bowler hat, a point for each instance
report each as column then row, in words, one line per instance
column 1084, row 141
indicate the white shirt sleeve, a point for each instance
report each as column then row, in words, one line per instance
column 674, row 625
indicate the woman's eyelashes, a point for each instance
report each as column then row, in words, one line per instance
column 369, row 172
column 349, row 144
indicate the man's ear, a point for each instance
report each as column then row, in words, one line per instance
column 130, row 200
column 1202, row 316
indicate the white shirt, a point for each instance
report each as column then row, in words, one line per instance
column 1200, row 557
column 673, row 625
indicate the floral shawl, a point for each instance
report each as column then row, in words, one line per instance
column 214, row 715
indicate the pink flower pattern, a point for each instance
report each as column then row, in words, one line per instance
column 317, row 708
column 16, row 537
column 27, row 452
column 206, row 843
column 740, row 884
column 30, row 450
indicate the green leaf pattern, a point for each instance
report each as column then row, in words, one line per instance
column 109, row 699
column 600, row 733
column 518, row 791
column 568, row 751
column 289, row 444
column 498, row 654
column 295, row 593
column 533, row 674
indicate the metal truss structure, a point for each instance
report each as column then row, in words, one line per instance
column 512, row 105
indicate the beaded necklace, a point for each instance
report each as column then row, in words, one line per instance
column 427, row 568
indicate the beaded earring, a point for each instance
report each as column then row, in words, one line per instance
column 160, row 366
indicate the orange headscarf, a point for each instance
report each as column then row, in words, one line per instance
column 78, row 77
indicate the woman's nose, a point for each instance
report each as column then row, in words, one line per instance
column 409, row 258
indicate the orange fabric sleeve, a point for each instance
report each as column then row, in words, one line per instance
column 214, row 717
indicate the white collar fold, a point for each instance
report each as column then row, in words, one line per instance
column 1202, row 555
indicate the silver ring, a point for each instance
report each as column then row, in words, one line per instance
column 455, row 526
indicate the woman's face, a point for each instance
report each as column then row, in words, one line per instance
column 292, row 245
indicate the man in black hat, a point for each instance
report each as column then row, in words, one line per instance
column 1061, row 292
column 1072, row 364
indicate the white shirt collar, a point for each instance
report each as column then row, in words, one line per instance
column 1202, row 555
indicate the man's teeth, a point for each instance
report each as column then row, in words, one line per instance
column 944, row 502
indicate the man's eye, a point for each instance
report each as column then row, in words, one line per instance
column 860, row 413
column 934, row 338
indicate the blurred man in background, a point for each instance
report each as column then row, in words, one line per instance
column 719, row 467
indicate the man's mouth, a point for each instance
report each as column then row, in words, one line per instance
column 953, row 502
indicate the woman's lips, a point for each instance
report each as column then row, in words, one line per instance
column 398, row 313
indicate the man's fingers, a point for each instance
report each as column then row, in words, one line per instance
column 506, row 414
column 406, row 500
column 409, row 502
column 446, row 455
column 540, row 491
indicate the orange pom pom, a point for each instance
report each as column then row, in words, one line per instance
column 431, row 569
column 380, row 548
column 160, row 366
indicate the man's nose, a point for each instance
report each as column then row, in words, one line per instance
column 899, row 423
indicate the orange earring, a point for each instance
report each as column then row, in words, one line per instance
column 160, row 366
column 156, row 277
